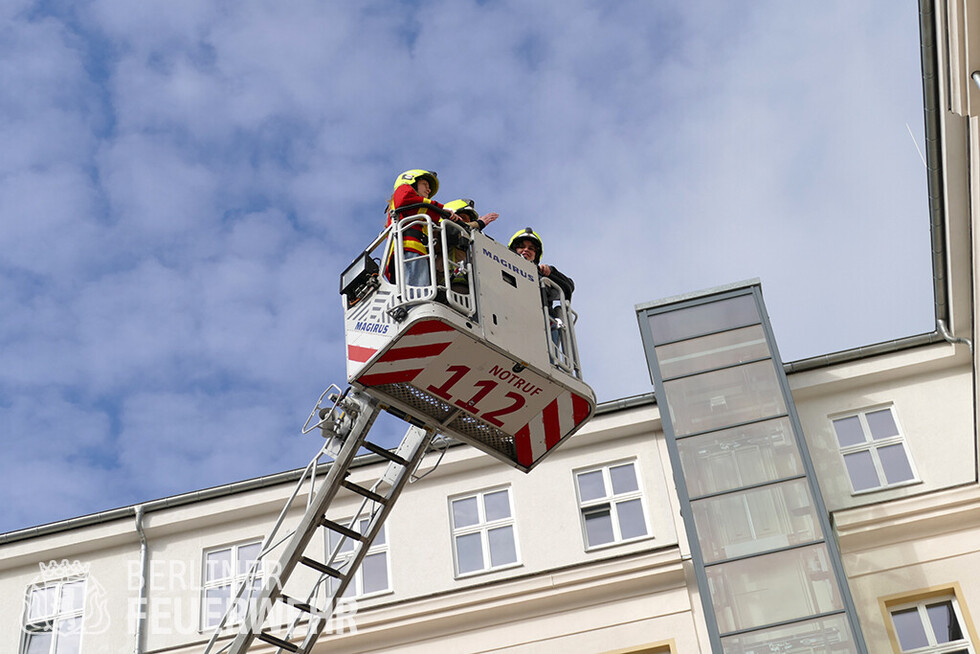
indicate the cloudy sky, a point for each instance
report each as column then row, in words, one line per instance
column 182, row 181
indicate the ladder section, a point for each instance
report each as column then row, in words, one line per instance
column 262, row 601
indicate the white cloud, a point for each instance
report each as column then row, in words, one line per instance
column 184, row 181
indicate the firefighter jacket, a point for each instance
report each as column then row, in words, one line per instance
column 416, row 238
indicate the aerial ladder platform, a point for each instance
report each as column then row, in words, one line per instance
column 476, row 355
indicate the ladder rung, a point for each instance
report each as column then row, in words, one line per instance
column 278, row 642
column 341, row 529
column 296, row 604
column 321, row 567
column 360, row 490
column 383, row 453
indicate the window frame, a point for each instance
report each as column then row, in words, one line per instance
column 871, row 445
column 612, row 500
column 357, row 583
column 483, row 527
column 49, row 622
column 919, row 599
column 234, row 581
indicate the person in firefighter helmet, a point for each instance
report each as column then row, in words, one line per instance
column 528, row 244
column 466, row 209
column 412, row 195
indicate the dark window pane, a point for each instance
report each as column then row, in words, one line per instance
column 216, row 600
column 908, row 627
column 849, row 431
column 861, row 470
column 502, row 547
column 895, row 463
column 631, row 522
column 69, row 636
column 882, row 424
column 944, row 623
column 469, row 551
column 39, row 642
column 714, row 351
column 380, row 538
column 465, row 512
column 701, row 319
column 218, row 565
column 496, row 505
column 598, row 526
column 623, row 479
column 42, row 602
column 374, row 571
column 247, row 554
column 591, row 486
column 714, row 400
column 334, row 538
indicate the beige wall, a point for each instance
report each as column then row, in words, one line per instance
column 930, row 389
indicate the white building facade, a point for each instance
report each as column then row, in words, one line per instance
column 590, row 553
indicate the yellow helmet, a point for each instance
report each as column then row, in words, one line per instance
column 530, row 235
column 464, row 207
column 412, row 176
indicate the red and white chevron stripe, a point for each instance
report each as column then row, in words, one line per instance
column 544, row 431
column 408, row 357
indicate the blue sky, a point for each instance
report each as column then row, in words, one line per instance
column 182, row 182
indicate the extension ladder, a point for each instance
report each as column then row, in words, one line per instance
column 345, row 426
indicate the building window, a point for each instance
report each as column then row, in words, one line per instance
column 484, row 535
column 53, row 618
column 931, row 626
column 225, row 569
column 611, row 504
column 372, row 577
column 874, row 450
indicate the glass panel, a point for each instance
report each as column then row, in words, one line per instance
column 334, row 537
column 215, row 602
column 247, row 555
column 773, row 588
column 861, row 470
column 591, row 485
column 715, row 351
column 39, row 642
column 895, row 463
column 623, row 479
column 944, row 622
column 849, row 431
column 824, row 636
column 69, row 636
column 598, row 525
column 502, row 548
column 218, row 565
column 756, row 520
column 701, row 319
column 631, row 522
column 469, row 551
column 497, row 505
column 42, row 601
column 882, row 424
column 743, row 456
column 713, row 400
column 374, row 569
column 465, row 512
column 909, row 628
column 72, row 596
